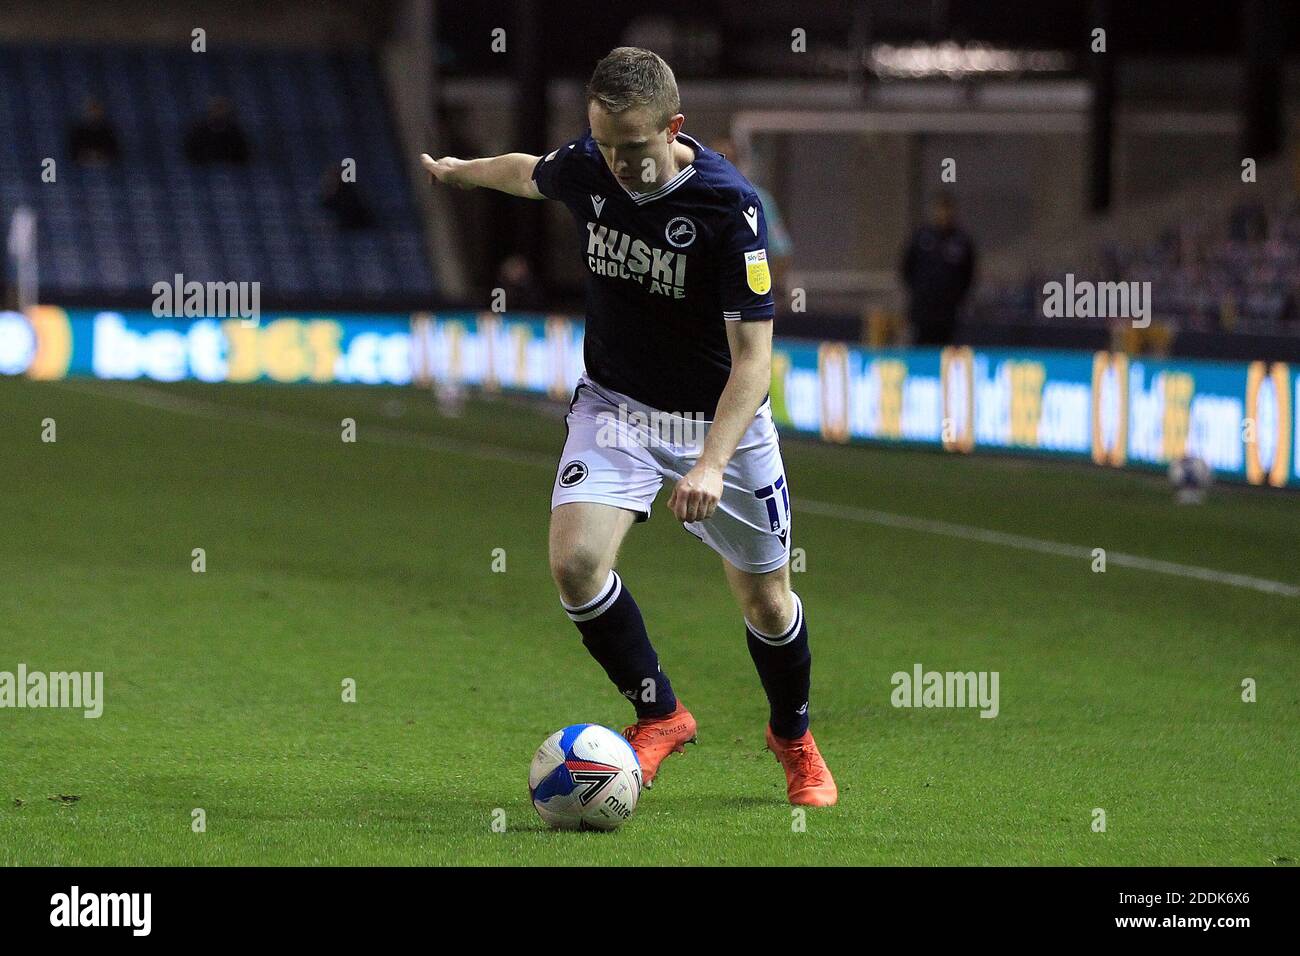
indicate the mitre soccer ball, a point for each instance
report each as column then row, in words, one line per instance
column 1191, row 477
column 585, row 777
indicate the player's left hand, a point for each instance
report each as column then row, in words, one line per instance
column 448, row 170
column 696, row 496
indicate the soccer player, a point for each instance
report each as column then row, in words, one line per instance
column 678, row 350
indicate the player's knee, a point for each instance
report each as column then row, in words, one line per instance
column 770, row 611
column 578, row 572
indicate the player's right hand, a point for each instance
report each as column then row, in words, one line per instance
column 445, row 170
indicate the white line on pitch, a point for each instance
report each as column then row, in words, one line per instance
column 1025, row 543
column 156, row 398
column 215, row 411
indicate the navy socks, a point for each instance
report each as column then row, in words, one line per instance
column 615, row 635
column 784, row 664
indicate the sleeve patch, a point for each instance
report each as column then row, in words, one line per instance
column 757, row 275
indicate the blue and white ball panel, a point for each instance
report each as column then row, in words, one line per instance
column 636, row 761
column 594, row 743
column 585, row 776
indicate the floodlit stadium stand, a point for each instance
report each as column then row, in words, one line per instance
column 112, row 231
column 1235, row 272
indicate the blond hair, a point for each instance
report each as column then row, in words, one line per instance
column 629, row 76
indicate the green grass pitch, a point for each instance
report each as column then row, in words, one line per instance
column 373, row 561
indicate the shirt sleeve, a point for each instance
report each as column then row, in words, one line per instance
column 746, row 278
column 554, row 172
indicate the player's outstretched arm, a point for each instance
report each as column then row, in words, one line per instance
column 510, row 173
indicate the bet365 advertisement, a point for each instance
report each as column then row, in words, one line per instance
column 1112, row 409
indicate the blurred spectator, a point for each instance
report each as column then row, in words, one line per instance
column 217, row 137
column 1248, row 222
column 780, row 248
column 515, row 277
column 1231, row 270
column 345, row 200
column 937, row 269
column 92, row 140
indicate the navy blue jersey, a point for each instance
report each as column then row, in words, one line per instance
column 666, row 269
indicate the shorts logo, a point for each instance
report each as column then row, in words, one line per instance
column 680, row 232
column 572, row 474
column 776, row 497
column 756, row 273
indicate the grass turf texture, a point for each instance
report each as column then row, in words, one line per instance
column 373, row 561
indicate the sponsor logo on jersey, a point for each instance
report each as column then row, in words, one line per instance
column 680, row 232
column 757, row 275
column 615, row 254
column 572, row 474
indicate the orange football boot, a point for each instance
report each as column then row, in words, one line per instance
column 654, row 738
column 808, row 780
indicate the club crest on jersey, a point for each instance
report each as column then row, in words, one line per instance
column 680, row 232
column 572, row 474
column 619, row 256
column 756, row 273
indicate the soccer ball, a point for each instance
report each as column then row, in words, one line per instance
column 1191, row 478
column 585, row 777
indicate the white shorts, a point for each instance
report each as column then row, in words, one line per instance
column 619, row 452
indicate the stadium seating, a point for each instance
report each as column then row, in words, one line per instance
column 111, row 232
column 1235, row 273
